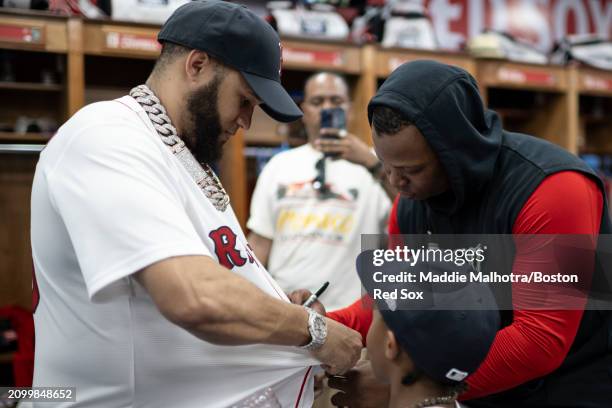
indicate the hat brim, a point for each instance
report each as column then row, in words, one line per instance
column 276, row 101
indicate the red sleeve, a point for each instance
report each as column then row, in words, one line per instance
column 537, row 342
column 393, row 224
column 358, row 316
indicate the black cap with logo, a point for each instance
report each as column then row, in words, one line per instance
column 240, row 39
column 447, row 335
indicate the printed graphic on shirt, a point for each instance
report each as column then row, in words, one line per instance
column 324, row 214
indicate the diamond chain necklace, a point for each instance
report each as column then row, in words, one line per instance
column 204, row 177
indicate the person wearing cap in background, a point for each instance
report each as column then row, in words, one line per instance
column 424, row 351
column 306, row 234
column 147, row 294
column 459, row 172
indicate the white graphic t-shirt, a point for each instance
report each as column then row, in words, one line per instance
column 317, row 237
column 109, row 199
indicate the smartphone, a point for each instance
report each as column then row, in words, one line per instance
column 334, row 118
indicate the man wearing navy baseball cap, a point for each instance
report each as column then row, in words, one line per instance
column 150, row 295
column 235, row 60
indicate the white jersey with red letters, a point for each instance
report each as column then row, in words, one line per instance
column 109, row 199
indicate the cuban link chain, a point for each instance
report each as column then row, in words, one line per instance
column 204, row 177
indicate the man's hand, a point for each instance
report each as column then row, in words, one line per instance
column 349, row 148
column 359, row 388
column 341, row 350
column 300, row 296
column 353, row 149
column 342, row 347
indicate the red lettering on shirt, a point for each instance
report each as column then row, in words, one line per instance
column 225, row 247
column 250, row 255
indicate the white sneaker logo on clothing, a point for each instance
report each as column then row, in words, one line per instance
column 456, row 375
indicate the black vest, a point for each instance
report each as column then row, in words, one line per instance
column 585, row 377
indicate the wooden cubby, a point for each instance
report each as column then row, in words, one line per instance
column 34, row 72
column 532, row 99
column 388, row 59
column 97, row 60
column 594, row 94
column 33, row 76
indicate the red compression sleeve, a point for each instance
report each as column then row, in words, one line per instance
column 537, row 341
column 357, row 316
column 393, row 227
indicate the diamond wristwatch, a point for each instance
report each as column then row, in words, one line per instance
column 317, row 328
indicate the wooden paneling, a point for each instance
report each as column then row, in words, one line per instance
column 511, row 75
column 552, row 117
column 263, row 130
column 572, row 109
column 233, row 175
column 12, row 137
column 16, row 175
column 365, row 88
column 595, row 82
column 42, row 34
column 313, row 56
column 388, row 59
column 552, row 122
column 120, row 40
column 76, row 68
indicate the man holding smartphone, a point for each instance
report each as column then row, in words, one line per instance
column 312, row 203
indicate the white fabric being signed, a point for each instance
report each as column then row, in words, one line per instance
column 109, row 199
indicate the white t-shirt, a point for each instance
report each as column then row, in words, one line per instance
column 109, row 199
column 316, row 240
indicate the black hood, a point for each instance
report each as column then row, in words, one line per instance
column 444, row 103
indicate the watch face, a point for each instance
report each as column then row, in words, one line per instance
column 320, row 328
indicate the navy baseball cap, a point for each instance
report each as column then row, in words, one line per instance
column 449, row 335
column 240, row 39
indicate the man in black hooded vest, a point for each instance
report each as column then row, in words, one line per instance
column 459, row 172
